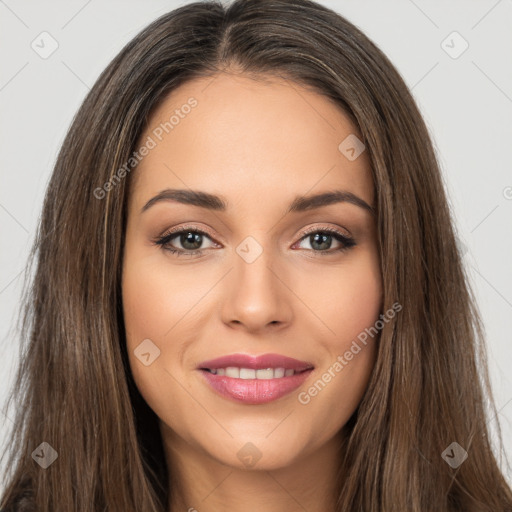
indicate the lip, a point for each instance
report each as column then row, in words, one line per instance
column 255, row 391
column 256, row 362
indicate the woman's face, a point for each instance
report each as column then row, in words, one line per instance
column 260, row 270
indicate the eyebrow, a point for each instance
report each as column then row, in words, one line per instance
column 217, row 203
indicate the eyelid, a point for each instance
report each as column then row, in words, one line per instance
column 191, row 227
column 328, row 229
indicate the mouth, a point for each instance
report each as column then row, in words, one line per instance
column 251, row 373
column 254, row 379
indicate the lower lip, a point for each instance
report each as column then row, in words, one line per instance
column 255, row 391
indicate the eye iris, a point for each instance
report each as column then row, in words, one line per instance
column 191, row 238
column 320, row 238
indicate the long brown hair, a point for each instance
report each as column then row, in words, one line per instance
column 74, row 388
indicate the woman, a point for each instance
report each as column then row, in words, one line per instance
column 191, row 346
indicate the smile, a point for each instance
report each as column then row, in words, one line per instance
column 250, row 373
column 254, row 379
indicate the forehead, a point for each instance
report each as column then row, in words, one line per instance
column 249, row 139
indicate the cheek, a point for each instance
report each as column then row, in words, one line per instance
column 345, row 298
column 151, row 308
column 147, row 302
column 163, row 304
column 360, row 300
column 351, row 305
column 155, row 299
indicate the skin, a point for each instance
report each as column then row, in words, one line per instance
column 258, row 145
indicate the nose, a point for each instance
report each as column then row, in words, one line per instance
column 257, row 297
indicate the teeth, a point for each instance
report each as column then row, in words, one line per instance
column 265, row 374
column 246, row 373
column 249, row 373
column 231, row 371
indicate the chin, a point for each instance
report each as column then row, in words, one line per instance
column 255, row 453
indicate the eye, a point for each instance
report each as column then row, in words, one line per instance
column 320, row 240
column 190, row 240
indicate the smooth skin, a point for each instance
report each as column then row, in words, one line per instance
column 258, row 145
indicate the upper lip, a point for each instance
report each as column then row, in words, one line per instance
column 256, row 362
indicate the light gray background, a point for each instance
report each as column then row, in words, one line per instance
column 466, row 101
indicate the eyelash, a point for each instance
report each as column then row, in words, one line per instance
column 163, row 241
